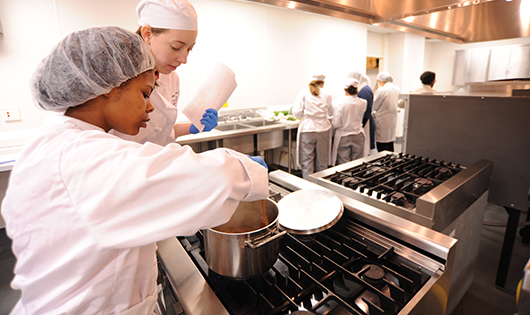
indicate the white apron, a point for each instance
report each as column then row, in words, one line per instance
column 347, row 120
column 385, row 107
column 366, row 131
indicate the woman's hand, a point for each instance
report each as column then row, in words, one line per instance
column 209, row 120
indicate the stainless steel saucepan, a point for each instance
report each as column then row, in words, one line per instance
column 244, row 247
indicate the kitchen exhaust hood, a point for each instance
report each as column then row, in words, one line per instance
column 458, row 21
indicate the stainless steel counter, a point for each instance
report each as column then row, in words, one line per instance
column 237, row 129
column 251, row 136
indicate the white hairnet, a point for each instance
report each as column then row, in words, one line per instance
column 351, row 82
column 318, row 77
column 89, row 63
column 168, row 14
column 363, row 79
column 384, row 76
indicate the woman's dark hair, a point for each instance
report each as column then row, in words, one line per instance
column 351, row 90
column 428, row 77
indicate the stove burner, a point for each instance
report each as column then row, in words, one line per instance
column 374, row 275
column 443, row 173
column 399, row 199
column 422, row 186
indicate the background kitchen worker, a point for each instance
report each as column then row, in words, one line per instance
column 385, row 109
column 366, row 93
column 348, row 143
column 169, row 27
column 85, row 208
column 428, row 78
column 313, row 146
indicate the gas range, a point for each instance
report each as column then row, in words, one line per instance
column 370, row 262
column 427, row 191
column 397, row 179
column 439, row 195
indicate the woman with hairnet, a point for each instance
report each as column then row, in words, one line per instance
column 313, row 145
column 366, row 93
column 169, row 27
column 85, row 208
column 385, row 109
column 348, row 142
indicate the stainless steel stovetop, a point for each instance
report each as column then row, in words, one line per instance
column 427, row 191
column 370, row 262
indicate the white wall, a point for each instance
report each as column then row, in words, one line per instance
column 395, row 55
column 273, row 51
column 405, row 60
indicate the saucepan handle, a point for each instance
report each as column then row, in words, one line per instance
column 261, row 242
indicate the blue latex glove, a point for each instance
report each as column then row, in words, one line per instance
column 209, row 120
column 259, row 159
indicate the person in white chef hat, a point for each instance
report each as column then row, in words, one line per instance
column 385, row 109
column 85, row 208
column 365, row 92
column 348, row 112
column 169, row 27
column 313, row 146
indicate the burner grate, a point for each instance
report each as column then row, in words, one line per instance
column 397, row 179
column 333, row 272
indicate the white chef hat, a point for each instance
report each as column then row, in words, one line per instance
column 168, row 14
column 384, row 76
column 351, row 82
column 318, row 77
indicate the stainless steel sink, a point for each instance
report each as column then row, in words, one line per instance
column 260, row 123
column 229, row 127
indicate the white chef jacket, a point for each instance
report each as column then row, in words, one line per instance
column 85, row 210
column 425, row 89
column 164, row 98
column 313, row 112
column 347, row 120
column 385, row 107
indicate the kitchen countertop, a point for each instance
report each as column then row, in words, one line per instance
column 217, row 133
column 7, row 161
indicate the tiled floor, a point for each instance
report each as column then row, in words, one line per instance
column 482, row 298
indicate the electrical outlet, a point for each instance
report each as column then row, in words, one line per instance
column 11, row 114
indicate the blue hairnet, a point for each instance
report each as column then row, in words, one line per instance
column 89, row 63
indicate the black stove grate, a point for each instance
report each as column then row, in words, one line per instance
column 332, row 272
column 398, row 179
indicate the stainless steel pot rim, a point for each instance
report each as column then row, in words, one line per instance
column 309, row 211
column 266, row 229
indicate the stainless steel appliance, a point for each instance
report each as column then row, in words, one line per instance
column 369, row 262
column 440, row 195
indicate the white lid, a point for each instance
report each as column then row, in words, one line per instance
column 309, row 211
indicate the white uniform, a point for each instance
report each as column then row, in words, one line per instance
column 385, row 107
column 425, row 89
column 347, row 120
column 160, row 126
column 313, row 112
column 85, row 210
